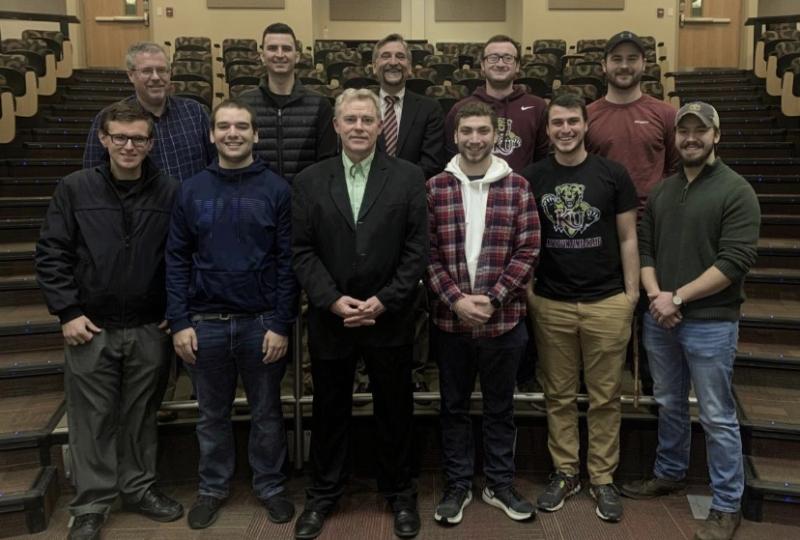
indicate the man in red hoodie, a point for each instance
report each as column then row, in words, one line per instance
column 521, row 137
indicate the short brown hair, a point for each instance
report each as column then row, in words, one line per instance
column 476, row 108
column 391, row 38
column 233, row 103
column 502, row 38
column 568, row 101
column 125, row 111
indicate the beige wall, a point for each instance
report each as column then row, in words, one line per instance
column 192, row 17
column 769, row 8
column 639, row 16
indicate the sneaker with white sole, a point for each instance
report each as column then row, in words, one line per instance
column 509, row 501
column 450, row 509
column 560, row 487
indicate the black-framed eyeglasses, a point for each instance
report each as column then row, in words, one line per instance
column 121, row 140
column 506, row 58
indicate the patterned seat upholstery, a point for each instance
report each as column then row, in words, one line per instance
column 432, row 59
column 652, row 72
column 448, row 95
column 192, row 43
column 649, row 42
column 238, row 90
column 305, row 60
column 448, row 48
column 589, row 45
column 786, row 52
column 245, row 74
column 587, row 92
column 591, row 57
column 199, row 91
column 471, row 78
column 238, row 56
column 329, row 45
column 53, row 39
column 327, row 91
column 192, row 71
column 794, row 67
column 239, row 44
column 192, row 56
column 419, row 51
column 422, row 79
column 34, row 51
column 13, row 68
column 539, row 79
column 311, row 76
column 552, row 46
column 580, row 74
column 336, row 61
column 358, row 77
column 653, row 88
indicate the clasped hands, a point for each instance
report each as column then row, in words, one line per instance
column 357, row 312
column 474, row 309
column 663, row 310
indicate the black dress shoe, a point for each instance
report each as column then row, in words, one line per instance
column 406, row 523
column 86, row 527
column 309, row 524
column 279, row 508
column 157, row 506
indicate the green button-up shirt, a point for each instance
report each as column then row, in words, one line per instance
column 356, row 175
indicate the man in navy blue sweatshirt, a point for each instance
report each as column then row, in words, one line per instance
column 231, row 300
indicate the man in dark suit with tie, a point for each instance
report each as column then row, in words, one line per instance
column 413, row 125
column 360, row 241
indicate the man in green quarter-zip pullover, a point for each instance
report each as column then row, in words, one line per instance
column 697, row 241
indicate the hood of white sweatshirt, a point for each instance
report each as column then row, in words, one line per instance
column 475, row 195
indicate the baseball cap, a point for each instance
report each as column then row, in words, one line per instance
column 703, row 111
column 625, row 36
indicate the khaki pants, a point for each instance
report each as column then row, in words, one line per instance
column 592, row 335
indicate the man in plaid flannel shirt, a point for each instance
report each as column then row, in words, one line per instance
column 181, row 147
column 484, row 243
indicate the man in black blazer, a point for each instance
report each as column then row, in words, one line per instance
column 420, row 137
column 360, row 241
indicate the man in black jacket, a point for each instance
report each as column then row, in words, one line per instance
column 100, row 263
column 294, row 124
column 359, row 249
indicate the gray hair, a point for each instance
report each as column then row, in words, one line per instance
column 143, row 47
column 357, row 94
column 391, row 38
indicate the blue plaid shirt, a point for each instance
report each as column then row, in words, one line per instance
column 181, row 147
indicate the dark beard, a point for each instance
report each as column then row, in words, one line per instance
column 634, row 82
column 699, row 161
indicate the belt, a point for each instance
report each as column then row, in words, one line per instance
column 223, row 316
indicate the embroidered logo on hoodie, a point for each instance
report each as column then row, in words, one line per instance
column 507, row 140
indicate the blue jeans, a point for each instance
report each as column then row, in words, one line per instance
column 700, row 352
column 226, row 349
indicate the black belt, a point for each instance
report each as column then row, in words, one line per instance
column 223, row 316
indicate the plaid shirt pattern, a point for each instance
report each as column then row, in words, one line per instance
column 181, row 147
column 509, row 252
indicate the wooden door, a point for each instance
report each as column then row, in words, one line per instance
column 709, row 33
column 110, row 27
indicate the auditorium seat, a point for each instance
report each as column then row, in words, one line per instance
column 330, row 92
column 39, row 57
column 447, row 95
column 22, row 82
column 311, row 76
column 471, row 78
column 539, row 78
column 419, row 51
column 7, row 114
column 323, row 48
column 192, row 43
column 192, row 71
column 200, row 91
column 590, row 45
column 443, row 64
column 582, row 74
column 358, row 77
column 335, row 62
column 244, row 75
column 778, row 62
column 790, row 90
column 653, row 88
column 61, row 46
column 587, row 92
column 766, row 44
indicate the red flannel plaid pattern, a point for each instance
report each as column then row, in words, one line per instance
column 509, row 252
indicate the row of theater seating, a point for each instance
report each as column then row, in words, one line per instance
column 30, row 67
column 777, row 62
column 439, row 72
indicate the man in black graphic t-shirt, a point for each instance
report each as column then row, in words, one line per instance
column 587, row 284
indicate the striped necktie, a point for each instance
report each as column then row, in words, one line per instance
column 390, row 125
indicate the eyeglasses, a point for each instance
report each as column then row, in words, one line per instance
column 148, row 72
column 121, row 140
column 506, row 58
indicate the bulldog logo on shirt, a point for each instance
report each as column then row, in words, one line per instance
column 567, row 210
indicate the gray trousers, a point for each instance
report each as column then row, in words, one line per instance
column 113, row 387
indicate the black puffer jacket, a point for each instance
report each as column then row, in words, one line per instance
column 101, row 258
column 292, row 137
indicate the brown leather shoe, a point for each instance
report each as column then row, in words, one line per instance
column 650, row 488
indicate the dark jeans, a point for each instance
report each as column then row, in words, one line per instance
column 496, row 360
column 226, row 349
column 389, row 370
column 113, row 391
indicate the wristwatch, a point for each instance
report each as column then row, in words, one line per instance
column 496, row 304
column 677, row 300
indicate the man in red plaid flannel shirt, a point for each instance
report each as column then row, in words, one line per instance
column 484, row 243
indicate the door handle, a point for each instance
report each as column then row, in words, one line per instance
column 121, row 18
column 704, row 20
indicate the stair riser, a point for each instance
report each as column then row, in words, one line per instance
column 744, row 112
column 780, row 230
column 780, row 208
column 20, row 296
column 71, row 110
column 32, row 515
column 778, row 261
column 76, row 152
column 22, row 386
column 24, row 266
column 31, row 342
column 729, row 136
column 766, row 169
column 784, row 151
column 33, row 210
column 769, row 336
column 19, row 458
column 734, row 123
column 27, row 190
column 766, row 187
column 782, row 291
column 27, row 234
column 50, row 170
column 775, row 448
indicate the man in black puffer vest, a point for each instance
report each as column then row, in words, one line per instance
column 295, row 125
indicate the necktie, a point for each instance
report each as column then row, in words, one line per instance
column 390, row 125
